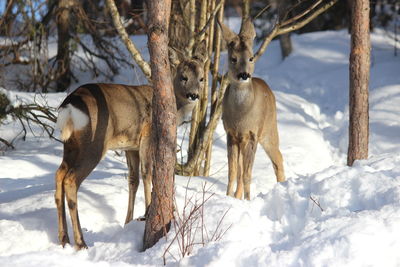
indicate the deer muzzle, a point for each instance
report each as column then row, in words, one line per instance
column 244, row 76
column 192, row 96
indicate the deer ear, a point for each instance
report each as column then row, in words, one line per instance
column 247, row 30
column 174, row 57
column 228, row 35
column 200, row 52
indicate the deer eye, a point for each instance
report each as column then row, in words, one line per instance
column 251, row 59
column 233, row 60
column 201, row 79
column 184, row 79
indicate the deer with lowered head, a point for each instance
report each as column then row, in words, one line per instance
column 248, row 113
column 100, row 117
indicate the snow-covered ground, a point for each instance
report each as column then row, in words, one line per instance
column 326, row 214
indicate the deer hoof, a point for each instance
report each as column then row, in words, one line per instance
column 64, row 239
column 81, row 246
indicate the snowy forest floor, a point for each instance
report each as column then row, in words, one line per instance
column 325, row 214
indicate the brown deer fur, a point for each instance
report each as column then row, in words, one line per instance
column 100, row 117
column 249, row 113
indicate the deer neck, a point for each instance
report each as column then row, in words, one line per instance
column 241, row 94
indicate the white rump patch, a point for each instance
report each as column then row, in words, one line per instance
column 78, row 118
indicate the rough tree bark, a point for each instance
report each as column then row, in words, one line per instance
column 359, row 79
column 163, row 143
column 63, row 53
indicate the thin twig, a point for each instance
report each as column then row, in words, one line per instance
column 316, row 202
column 262, row 11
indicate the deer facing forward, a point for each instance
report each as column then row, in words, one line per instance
column 249, row 113
column 100, row 117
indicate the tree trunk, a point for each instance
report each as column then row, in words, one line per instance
column 359, row 79
column 163, row 143
column 63, row 53
column 286, row 45
column 7, row 20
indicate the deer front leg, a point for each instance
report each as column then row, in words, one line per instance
column 132, row 159
column 59, row 197
column 233, row 155
column 248, row 150
column 239, row 164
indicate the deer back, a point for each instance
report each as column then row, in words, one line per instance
column 114, row 116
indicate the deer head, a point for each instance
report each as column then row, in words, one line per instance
column 240, row 51
column 188, row 75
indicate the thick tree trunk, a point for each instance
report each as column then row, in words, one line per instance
column 359, row 79
column 160, row 213
column 63, row 53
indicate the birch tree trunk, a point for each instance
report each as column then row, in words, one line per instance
column 359, row 79
column 163, row 136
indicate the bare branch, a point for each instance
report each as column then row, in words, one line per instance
column 213, row 14
column 8, row 144
column 262, row 11
column 292, row 25
column 145, row 67
column 299, row 16
column 300, row 24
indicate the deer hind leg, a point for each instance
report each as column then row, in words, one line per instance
column 59, row 197
column 248, row 150
column 132, row 159
column 79, row 168
column 233, row 156
column 146, row 168
column 71, row 185
column 271, row 147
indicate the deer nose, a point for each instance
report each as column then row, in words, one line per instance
column 192, row 96
column 244, row 76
